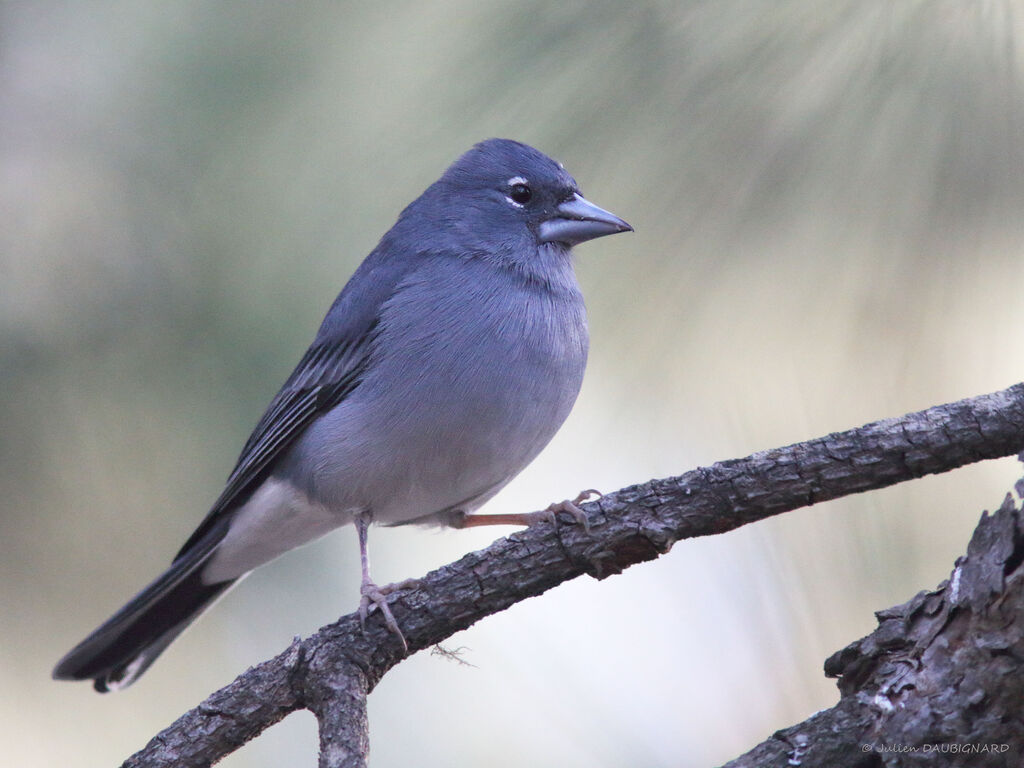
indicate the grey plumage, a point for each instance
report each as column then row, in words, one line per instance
column 445, row 365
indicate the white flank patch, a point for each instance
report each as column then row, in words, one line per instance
column 277, row 518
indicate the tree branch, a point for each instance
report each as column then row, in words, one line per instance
column 630, row 526
column 938, row 683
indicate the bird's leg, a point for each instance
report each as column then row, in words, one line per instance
column 368, row 590
column 548, row 515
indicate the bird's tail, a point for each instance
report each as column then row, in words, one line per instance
column 124, row 646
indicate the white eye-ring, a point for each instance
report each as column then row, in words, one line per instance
column 519, row 192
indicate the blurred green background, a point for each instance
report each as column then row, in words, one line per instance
column 827, row 200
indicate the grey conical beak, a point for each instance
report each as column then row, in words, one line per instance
column 578, row 220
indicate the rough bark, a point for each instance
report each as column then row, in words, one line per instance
column 336, row 693
column 939, row 683
column 630, row 526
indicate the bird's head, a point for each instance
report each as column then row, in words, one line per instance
column 504, row 196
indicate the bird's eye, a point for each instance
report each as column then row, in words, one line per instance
column 520, row 194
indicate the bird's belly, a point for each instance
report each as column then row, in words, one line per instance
column 443, row 426
column 451, row 451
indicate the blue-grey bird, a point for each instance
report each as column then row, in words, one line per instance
column 446, row 364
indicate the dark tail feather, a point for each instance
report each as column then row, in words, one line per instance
column 124, row 646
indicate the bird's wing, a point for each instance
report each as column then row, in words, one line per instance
column 329, row 371
column 321, row 380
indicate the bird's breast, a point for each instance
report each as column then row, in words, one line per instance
column 492, row 361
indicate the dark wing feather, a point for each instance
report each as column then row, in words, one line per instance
column 321, row 380
column 326, row 374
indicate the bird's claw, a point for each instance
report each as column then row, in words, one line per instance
column 572, row 508
column 373, row 596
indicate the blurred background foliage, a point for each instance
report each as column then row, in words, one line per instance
column 827, row 200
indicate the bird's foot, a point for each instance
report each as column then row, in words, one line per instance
column 572, row 508
column 373, row 596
